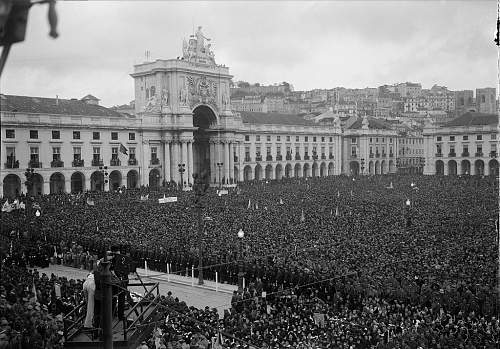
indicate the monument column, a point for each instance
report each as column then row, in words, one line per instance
column 184, row 161
column 166, row 161
column 190, row 161
column 241, row 158
column 213, row 160
column 226, row 161
column 231, row 162
column 175, row 161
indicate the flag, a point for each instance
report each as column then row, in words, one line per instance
column 90, row 202
column 302, row 217
column 6, row 207
column 217, row 341
column 123, row 150
column 34, row 291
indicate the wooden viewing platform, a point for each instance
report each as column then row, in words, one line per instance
column 127, row 334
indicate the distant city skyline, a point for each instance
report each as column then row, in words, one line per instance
column 314, row 45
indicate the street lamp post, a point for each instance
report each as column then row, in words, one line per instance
column 241, row 235
column 408, row 218
column 219, row 166
column 105, row 176
column 200, row 188
column 182, row 169
column 362, row 166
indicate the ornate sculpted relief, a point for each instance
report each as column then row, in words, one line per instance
column 202, row 90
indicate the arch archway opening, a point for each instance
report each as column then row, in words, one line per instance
column 354, row 168
column 115, row 180
column 154, row 178
column 77, row 182
column 11, row 186
column 203, row 119
column 493, row 165
column 278, row 172
column 57, row 183
column 452, row 168
column 465, row 167
column 439, row 168
column 97, row 181
column 247, row 173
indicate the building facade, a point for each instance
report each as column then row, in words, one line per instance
column 183, row 125
column 466, row 145
column 486, row 100
column 369, row 148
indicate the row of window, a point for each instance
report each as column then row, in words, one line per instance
column 466, row 137
column 411, row 141
column 297, row 138
column 56, row 154
column 56, row 134
column 465, row 149
column 258, row 151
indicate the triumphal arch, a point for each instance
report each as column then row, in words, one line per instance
column 186, row 121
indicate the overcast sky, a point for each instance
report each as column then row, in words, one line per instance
column 309, row 44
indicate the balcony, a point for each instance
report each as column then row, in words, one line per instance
column 306, row 157
column 439, row 155
column 12, row 164
column 269, row 158
column 235, row 158
column 479, row 154
column 384, row 155
column 132, row 162
column 354, row 156
column 315, row 157
column 248, row 159
column 330, row 156
column 493, row 154
column 323, row 156
column 452, row 155
column 377, row 155
column 297, row 157
column 465, row 154
column 288, row 156
column 57, row 163
column 115, row 162
column 78, row 163
column 155, row 161
column 391, row 155
column 372, row 156
column 34, row 164
column 258, row 158
column 279, row 157
column 97, row 162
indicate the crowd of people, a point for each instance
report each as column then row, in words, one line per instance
column 335, row 262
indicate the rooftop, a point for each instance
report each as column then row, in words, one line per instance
column 473, row 119
column 42, row 105
column 373, row 123
column 273, row 119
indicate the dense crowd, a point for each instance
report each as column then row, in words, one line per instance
column 344, row 262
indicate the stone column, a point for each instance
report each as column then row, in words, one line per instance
column 226, row 161
column 190, row 162
column 231, row 162
column 241, row 157
column 174, row 162
column 213, row 160
column 486, row 168
column 166, row 161
column 184, row 161
column 220, row 158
